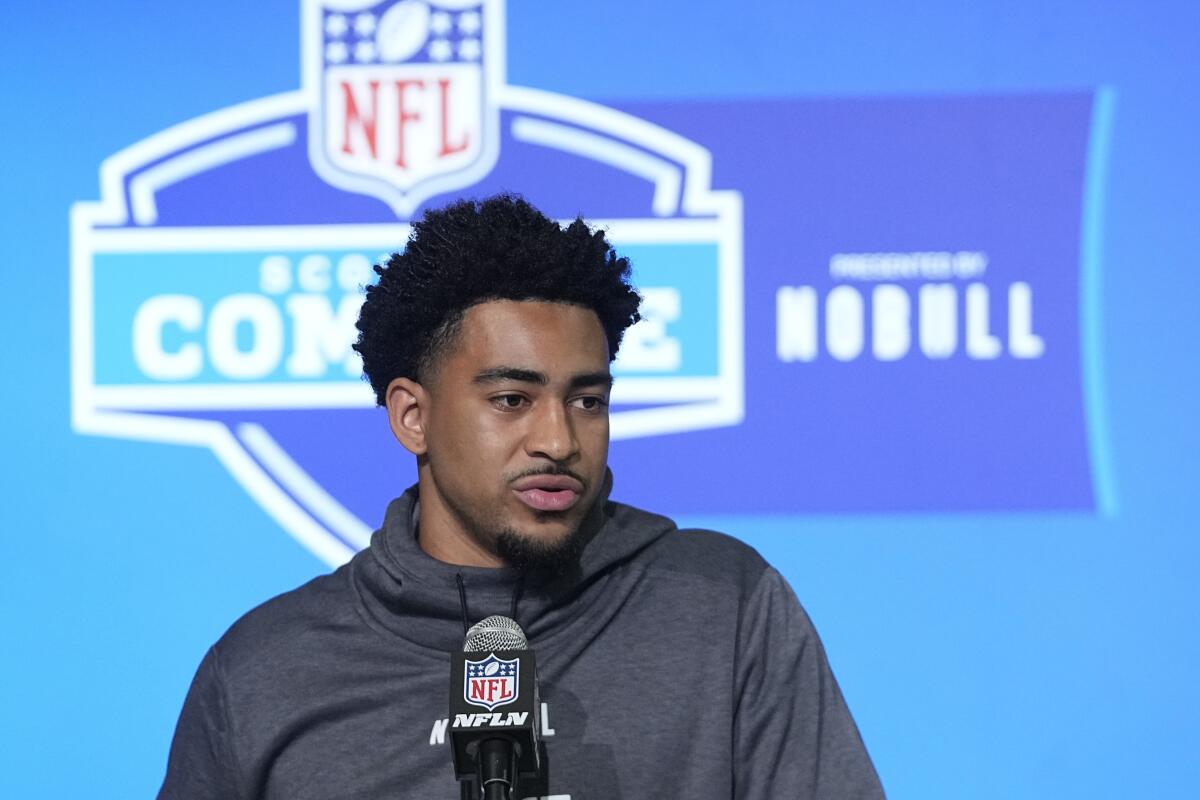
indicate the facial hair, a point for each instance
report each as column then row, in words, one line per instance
column 528, row 554
column 523, row 552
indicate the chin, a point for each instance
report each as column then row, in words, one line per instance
column 544, row 533
column 541, row 550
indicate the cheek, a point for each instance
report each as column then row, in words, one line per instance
column 478, row 441
column 595, row 441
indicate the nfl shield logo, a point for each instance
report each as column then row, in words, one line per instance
column 403, row 94
column 491, row 682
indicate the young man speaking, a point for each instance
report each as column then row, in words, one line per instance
column 671, row 663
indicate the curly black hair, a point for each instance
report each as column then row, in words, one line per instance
column 500, row 248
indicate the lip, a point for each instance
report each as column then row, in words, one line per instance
column 549, row 483
column 548, row 492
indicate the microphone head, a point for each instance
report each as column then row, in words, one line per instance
column 495, row 633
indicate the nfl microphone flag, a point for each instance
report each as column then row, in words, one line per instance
column 494, row 697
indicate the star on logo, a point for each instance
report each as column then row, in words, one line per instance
column 440, row 50
column 364, row 51
column 335, row 52
column 335, row 26
column 468, row 49
column 469, row 23
column 364, row 24
column 440, row 23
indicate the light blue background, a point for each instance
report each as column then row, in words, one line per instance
column 1005, row 656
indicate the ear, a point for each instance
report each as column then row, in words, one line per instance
column 407, row 403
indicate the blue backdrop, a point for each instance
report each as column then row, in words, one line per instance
column 1010, row 612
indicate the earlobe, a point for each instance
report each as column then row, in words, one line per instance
column 406, row 406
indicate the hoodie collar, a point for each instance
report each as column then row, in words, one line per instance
column 406, row 592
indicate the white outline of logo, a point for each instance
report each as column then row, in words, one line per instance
column 679, row 170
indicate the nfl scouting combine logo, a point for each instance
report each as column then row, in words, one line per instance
column 491, row 682
column 216, row 284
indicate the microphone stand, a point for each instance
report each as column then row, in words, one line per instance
column 495, row 773
column 497, row 768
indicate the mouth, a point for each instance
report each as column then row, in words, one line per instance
column 548, row 492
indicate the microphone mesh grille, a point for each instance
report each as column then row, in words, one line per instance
column 495, row 633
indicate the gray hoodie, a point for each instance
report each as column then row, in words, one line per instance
column 671, row 663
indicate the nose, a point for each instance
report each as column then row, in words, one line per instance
column 551, row 434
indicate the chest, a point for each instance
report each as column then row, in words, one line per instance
column 617, row 721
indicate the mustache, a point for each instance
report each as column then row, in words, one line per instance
column 550, row 470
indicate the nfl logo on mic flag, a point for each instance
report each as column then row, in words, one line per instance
column 492, row 682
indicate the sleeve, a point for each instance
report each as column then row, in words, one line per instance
column 201, row 764
column 793, row 734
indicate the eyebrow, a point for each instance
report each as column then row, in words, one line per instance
column 501, row 374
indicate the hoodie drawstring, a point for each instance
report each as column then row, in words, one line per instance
column 518, row 590
column 462, row 599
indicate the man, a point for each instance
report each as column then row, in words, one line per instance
column 672, row 663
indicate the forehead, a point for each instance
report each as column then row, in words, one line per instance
column 555, row 338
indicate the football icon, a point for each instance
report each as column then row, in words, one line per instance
column 402, row 31
column 491, row 669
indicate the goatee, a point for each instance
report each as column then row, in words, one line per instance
column 528, row 554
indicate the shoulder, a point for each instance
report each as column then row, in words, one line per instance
column 699, row 552
column 287, row 623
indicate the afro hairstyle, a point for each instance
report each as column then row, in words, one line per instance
column 470, row 252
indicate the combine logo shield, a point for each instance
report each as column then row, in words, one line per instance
column 403, row 95
column 492, row 682
column 216, row 284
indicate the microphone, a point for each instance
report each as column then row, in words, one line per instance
column 493, row 710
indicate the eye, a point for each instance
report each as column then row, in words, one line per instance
column 590, row 402
column 509, row 402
